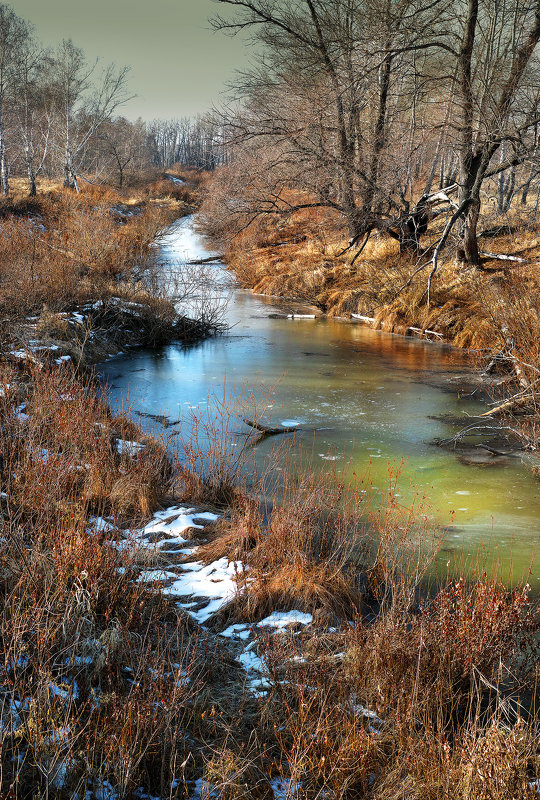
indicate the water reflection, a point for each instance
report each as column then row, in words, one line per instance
column 367, row 398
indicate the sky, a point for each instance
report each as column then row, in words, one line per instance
column 179, row 66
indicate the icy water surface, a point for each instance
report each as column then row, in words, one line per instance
column 367, row 398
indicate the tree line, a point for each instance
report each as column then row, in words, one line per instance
column 59, row 117
column 371, row 109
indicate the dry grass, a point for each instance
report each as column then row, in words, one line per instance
column 93, row 252
column 61, row 457
column 321, row 547
column 105, row 686
column 99, row 676
column 63, row 249
column 301, row 256
column 416, row 704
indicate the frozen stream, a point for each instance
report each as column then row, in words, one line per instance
column 371, row 395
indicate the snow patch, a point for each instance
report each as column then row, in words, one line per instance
column 214, row 583
column 281, row 619
column 123, row 447
column 240, row 630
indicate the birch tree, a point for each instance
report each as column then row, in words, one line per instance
column 33, row 108
column 84, row 100
column 14, row 32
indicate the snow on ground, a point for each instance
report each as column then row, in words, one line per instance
column 251, row 661
column 240, row 630
column 282, row 789
column 99, row 525
column 281, row 619
column 123, row 447
column 174, row 521
column 215, row 582
column 203, row 589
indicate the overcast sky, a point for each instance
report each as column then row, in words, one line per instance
column 178, row 65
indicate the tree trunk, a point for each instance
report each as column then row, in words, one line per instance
column 510, row 190
column 3, row 166
column 70, row 180
column 30, row 172
column 413, row 228
column 31, row 181
column 469, row 239
column 501, row 183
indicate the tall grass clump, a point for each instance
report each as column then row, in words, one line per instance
column 74, row 249
column 99, row 675
column 65, row 455
column 436, row 700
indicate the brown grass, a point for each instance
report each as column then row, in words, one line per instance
column 61, row 456
column 299, row 256
column 99, row 676
column 320, row 548
column 104, row 683
column 63, row 249
column 416, row 704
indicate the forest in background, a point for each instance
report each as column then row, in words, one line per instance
column 60, row 118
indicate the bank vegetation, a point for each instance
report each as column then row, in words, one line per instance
column 392, row 685
column 383, row 165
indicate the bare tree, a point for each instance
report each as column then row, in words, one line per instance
column 84, row 100
column 350, row 97
column 33, row 108
column 338, row 83
column 14, row 32
column 195, row 142
column 120, row 141
column 497, row 98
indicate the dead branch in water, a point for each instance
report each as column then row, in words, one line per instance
column 210, row 260
column 268, row 430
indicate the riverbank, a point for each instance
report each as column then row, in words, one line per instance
column 155, row 649
column 361, row 401
column 151, row 648
column 491, row 311
column 304, row 257
column 81, row 280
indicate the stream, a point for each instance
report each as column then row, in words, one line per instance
column 365, row 397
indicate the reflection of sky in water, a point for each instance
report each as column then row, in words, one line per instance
column 368, row 392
